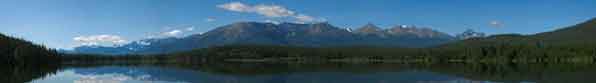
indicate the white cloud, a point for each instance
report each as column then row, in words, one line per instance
column 497, row 24
column 190, row 28
column 265, row 10
column 307, row 19
column 304, row 18
column 100, row 39
column 175, row 32
column 210, row 19
column 271, row 11
column 272, row 21
column 236, row 6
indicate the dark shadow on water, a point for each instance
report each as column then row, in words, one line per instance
column 21, row 74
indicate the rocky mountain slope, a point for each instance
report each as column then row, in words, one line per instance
column 284, row 34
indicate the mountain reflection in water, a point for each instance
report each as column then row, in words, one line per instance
column 307, row 73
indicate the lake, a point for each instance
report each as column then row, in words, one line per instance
column 318, row 73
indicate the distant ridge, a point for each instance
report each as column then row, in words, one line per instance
column 285, row 34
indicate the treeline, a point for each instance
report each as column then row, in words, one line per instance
column 74, row 59
column 515, row 48
column 19, row 52
column 262, row 53
column 503, row 49
column 269, row 53
column 22, row 61
column 572, row 44
column 507, row 48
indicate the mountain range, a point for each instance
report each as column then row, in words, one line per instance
column 283, row 34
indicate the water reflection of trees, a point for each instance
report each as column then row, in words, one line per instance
column 21, row 74
column 542, row 73
column 277, row 68
column 21, row 60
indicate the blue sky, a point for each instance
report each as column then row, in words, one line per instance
column 69, row 23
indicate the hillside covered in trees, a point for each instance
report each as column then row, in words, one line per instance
column 19, row 52
column 571, row 44
column 22, row 61
column 575, row 43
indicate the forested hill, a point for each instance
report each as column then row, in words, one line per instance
column 571, row 44
column 580, row 34
column 567, row 44
column 19, row 52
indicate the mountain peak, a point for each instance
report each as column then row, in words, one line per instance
column 290, row 23
column 291, row 34
column 370, row 25
column 349, row 29
column 240, row 27
column 369, row 28
column 249, row 24
column 322, row 24
column 420, row 32
column 321, row 27
column 469, row 33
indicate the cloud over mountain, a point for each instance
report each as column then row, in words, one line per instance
column 265, row 10
column 273, row 11
column 175, row 32
column 270, row 11
column 236, row 6
column 100, row 39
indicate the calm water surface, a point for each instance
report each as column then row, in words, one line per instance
column 324, row 73
column 172, row 75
